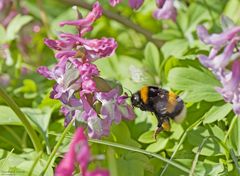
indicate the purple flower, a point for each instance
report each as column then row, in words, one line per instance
column 85, row 24
column 135, row 4
column 78, row 153
column 98, row 172
column 114, row 2
column 166, row 10
column 215, row 62
column 223, row 46
column 75, row 75
column 231, row 87
column 217, row 40
column 160, row 3
column 114, row 106
column 4, row 80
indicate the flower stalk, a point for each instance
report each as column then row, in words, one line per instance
column 57, row 146
column 32, row 134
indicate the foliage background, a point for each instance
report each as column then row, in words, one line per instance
column 207, row 142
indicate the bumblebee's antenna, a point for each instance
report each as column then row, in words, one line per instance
column 128, row 91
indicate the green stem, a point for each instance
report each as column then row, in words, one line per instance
column 34, row 138
column 35, row 163
column 230, row 128
column 194, row 164
column 57, row 146
column 181, row 141
column 235, row 160
column 209, row 11
column 180, row 29
column 112, row 144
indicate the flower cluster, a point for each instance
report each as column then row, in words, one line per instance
column 166, row 9
column 134, row 4
column 78, row 85
column 222, row 52
column 78, row 153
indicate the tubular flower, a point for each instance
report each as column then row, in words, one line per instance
column 78, row 153
column 114, row 2
column 222, row 51
column 76, row 74
column 166, row 10
column 134, row 4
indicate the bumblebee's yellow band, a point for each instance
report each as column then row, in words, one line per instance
column 172, row 102
column 144, row 94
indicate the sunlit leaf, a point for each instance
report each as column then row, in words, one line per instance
column 15, row 26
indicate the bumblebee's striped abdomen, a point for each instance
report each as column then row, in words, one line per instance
column 178, row 112
column 172, row 102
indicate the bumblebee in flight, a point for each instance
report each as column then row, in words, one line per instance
column 164, row 104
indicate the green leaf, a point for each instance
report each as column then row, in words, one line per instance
column 133, row 164
column 232, row 10
column 40, row 118
column 68, row 14
column 168, row 34
column 2, row 34
column 235, row 159
column 130, row 168
column 174, row 48
column 157, row 146
column 26, row 166
column 8, row 117
column 203, row 168
column 235, row 136
column 210, row 148
column 147, row 137
column 16, row 24
column 197, row 85
column 152, row 58
column 20, row 164
column 112, row 163
column 217, row 112
column 196, row 14
column 122, row 135
column 29, row 86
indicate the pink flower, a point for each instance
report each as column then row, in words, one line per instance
column 85, row 24
column 223, row 45
column 75, row 75
column 4, row 80
column 217, row 40
column 114, row 107
column 78, row 153
column 160, row 3
column 231, row 87
column 114, row 2
column 166, row 10
column 135, row 4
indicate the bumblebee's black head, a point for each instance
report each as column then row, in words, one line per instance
column 136, row 100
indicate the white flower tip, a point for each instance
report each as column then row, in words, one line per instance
column 74, row 7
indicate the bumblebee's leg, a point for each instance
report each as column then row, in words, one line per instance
column 166, row 124
column 159, row 127
column 156, row 132
column 163, row 124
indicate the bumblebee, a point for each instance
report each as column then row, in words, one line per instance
column 164, row 104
